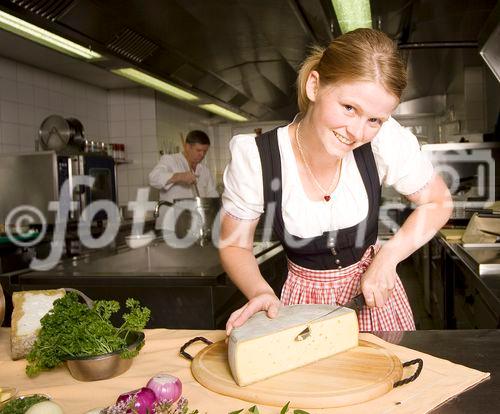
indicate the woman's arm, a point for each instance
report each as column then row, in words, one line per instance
column 236, row 254
column 434, row 208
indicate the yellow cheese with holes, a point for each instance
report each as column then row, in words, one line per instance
column 300, row 334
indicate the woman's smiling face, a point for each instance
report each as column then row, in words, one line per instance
column 347, row 115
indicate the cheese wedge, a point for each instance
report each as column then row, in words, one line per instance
column 300, row 334
column 29, row 308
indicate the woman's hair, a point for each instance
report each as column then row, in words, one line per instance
column 360, row 55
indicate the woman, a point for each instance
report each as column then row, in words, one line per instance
column 320, row 177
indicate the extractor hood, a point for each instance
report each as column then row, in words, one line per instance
column 244, row 54
column 489, row 42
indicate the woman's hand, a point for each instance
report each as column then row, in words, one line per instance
column 378, row 282
column 265, row 301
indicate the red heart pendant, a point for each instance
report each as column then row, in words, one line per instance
column 327, row 198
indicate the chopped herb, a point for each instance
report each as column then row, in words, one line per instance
column 20, row 405
column 72, row 329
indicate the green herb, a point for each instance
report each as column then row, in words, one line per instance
column 72, row 329
column 21, row 404
column 255, row 410
column 285, row 408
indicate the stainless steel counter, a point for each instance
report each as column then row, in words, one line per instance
column 483, row 264
column 157, row 259
column 484, row 259
column 184, row 288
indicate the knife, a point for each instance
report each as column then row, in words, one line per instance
column 356, row 303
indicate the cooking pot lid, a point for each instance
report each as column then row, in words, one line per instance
column 54, row 133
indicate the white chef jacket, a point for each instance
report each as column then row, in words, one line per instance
column 170, row 164
column 400, row 164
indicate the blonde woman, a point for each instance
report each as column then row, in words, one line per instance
column 320, row 177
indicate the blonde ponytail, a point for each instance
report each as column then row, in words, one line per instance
column 311, row 63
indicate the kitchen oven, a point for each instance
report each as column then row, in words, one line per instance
column 101, row 168
column 31, row 181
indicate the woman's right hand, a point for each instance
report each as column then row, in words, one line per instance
column 268, row 302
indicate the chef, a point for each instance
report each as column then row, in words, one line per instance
column 179, row 175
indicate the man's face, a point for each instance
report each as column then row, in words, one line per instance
column 195, row 152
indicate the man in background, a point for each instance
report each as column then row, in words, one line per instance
column 182, row 175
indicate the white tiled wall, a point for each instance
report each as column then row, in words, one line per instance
column 146, row 122
column 474, row 99
column 28, row 95
column 132, row 121
column 224, row 132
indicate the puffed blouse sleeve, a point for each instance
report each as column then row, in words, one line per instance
column 400, row 162
column 243, row 193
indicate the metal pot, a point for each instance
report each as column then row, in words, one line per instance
column 194, row 217
column 56, row 133
column 77, row 133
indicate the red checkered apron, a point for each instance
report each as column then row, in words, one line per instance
column 338, row 286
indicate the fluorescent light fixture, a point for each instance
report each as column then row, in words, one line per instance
column 162, row 86
column 42, row 36
column 352, row 14
column 219, row 110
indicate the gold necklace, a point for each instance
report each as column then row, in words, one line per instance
column 327, row 192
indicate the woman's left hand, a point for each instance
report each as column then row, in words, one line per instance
column 378, row 281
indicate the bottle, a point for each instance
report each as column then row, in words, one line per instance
column 123, row 152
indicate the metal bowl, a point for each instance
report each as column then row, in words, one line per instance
column 104, row 366
column 137, row 241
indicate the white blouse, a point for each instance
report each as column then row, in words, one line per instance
column 400, row 164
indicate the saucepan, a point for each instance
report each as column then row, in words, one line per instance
column 194, row 217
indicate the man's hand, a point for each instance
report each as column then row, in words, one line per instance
column 187, row 177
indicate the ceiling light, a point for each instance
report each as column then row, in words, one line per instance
column 352, row 14
column 162, row 86
column 42, row 36
column 219, row 110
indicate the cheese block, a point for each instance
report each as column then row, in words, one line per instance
column 29, row 308
column 300, row 334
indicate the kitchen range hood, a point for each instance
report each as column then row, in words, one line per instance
column 244, row 54
column 489, row 42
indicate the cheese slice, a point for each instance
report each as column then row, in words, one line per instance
column 300, row 334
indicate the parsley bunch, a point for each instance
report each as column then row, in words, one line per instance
column 72, row 329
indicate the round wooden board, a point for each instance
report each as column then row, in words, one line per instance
column 351, row 377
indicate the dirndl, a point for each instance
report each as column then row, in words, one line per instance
column 339, row 286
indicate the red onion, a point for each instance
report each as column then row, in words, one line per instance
column 144, row 400
column 166, row 387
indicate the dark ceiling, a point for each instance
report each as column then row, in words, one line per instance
column 244, row 53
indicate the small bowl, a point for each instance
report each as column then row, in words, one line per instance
column 139, row 240
column 104, row 366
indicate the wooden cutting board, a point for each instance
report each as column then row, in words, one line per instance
column 351, row 377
